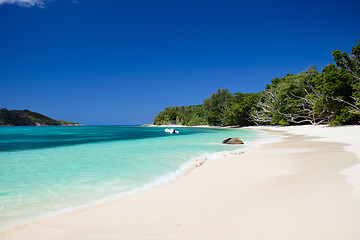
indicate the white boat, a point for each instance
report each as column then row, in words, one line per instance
column 167, row 130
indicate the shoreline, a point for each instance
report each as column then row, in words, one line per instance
column 352, row 142
column 184, row 169
column 208, row 187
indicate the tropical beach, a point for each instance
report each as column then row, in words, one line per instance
column 301, row 187
column 179, row 120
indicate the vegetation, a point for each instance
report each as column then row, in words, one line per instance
column 221, row 109
column 310, row 97
column 28, row 118
column 191, row 115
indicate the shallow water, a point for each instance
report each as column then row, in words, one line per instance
column 48, row 169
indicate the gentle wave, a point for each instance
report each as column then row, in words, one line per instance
column 190, row 143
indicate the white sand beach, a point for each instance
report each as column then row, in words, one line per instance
column 304, row 187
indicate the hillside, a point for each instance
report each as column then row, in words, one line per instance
column 28, row 118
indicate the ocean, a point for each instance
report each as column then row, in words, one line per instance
column 46, row 170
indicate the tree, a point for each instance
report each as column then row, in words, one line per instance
column 290, row 99
column 300, row 99
column 350, row 63
column 309, row 97
column 335, row 90
column 238, row 112
column 190, row 115
column 266, row 107
column 216, row 105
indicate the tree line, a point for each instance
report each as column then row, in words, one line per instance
column 331, row 96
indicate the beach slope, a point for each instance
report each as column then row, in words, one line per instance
column 297, row 188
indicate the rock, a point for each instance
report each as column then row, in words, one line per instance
column 234, row 140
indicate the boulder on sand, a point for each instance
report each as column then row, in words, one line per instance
column 234, row 140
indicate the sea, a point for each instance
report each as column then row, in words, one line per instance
column 49, row 169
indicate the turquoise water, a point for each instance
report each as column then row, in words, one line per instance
column 44, row 170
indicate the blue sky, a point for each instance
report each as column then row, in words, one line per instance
column 121, row 62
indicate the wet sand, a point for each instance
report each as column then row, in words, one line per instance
column 297, row 188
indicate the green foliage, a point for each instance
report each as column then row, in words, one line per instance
column 335, row 89
column 309, row 97
column 221, row 109
column 345, row 116
column 350, row 65
column 196, row 121
column 238, row 112
column 283, row 123
column 27, row 118
column 216, row 105
column 334, row 123
column 334, row 82
column 191, row 115
column 287, row 99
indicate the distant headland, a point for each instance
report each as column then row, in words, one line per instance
column 28, row 118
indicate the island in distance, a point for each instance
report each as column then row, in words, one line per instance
column 28, row 118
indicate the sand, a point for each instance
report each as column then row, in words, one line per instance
column 297, row 188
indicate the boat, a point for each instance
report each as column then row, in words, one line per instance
column 167, row 130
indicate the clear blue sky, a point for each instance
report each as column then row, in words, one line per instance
column 121, row 62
